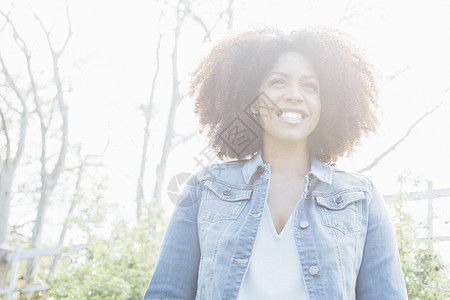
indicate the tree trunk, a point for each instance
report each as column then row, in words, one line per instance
column 6, row 181
column 46, row 190
column 73, row 204
column 161, row 169
column 148, row 115
column 4, row 266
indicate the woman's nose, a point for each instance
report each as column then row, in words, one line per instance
column 295, row 94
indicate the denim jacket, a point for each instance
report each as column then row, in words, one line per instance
column 342, row 230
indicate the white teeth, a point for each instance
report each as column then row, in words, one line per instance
column 291, row 115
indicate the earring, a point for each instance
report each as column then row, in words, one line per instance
column 255, row 114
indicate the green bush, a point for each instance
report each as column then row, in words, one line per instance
column 118, row 267
column 425, row 273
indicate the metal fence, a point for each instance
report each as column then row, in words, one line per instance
column 11, row 260
column 430, row 195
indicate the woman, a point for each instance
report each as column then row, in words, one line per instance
column 278, row 221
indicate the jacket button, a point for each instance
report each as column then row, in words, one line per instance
column 339, row 199
column 227, row 192
column 304, row 224
column 313, row 270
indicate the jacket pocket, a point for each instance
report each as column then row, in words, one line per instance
column 222, row 202
column 342, row 211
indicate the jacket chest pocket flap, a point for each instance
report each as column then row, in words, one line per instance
column 342, row 211
column 222, row 202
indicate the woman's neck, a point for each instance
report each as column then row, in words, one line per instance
column 288, row 160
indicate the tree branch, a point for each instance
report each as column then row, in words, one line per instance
column 395, row 75
column 59, row 94
column 392, row 148
column 11, row 81
column 353, row 8
column 8, row 142
column 182, row 139
column 229, row 13
column 24, row 113
column 69, row 30
column 434, row 287
column 197, row 19
column 10, row 106
column 17, row 38
column 6, row 23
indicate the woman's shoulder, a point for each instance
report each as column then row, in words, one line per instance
column 341, row 177
column 226, row 172
column 348, row 186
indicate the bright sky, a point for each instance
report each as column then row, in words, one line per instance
column 113, row 47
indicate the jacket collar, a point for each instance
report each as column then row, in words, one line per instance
column 319, row 169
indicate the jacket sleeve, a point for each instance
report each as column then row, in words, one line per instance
column 380, row 275
column 176, row 271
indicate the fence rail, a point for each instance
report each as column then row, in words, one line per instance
column 20, row 254
column 430, row 194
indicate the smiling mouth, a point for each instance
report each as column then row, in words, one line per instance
column 292, row 115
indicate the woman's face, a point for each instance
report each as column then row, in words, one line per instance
column 289, row 105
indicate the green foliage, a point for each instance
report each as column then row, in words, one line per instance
column 425, row 273
column 118, row 267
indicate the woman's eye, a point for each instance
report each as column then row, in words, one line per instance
column 311, row 86
column 277, row 81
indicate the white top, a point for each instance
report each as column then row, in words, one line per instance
column 274, row 270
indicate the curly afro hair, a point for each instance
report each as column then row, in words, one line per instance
column 227, row 82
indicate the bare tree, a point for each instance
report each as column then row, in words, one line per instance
column 184, row 9
column 49, row 175
column 176, row 98
column 9, row 160
column 147, row 117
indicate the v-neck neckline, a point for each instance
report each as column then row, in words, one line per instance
column 272, row 224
